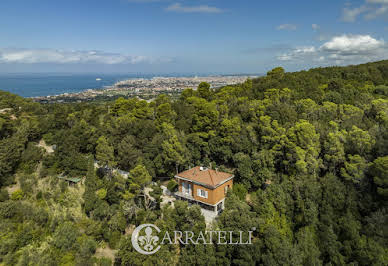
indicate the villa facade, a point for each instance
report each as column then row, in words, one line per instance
column 205, row 187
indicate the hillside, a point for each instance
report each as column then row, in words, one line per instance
column 309, row 151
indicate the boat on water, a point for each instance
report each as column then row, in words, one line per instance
column 98, row 79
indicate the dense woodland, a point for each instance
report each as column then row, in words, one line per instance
column 309, row 151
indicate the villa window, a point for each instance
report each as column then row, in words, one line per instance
column 202, row 193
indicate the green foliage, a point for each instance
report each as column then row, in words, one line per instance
column 380, row 175
column 310, row 147
column 4, row 195
column 204, row 90
column 240, row 191
column 172, row 185
column 89, row 195
column 173, row 152
column 105, row 152
column 30, row 157
column 276, row 73
column 127, row 153
column 101, row 193
column 244, row 170
column 355, row 169
column 359, row 141
column 17, row 195
column 140, row 176
column 304, row 148
column 65, row 236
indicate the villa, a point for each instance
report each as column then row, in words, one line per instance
column 205, row 187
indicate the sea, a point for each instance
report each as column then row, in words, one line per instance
column 45, row 84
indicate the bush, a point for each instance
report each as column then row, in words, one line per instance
column 39, row 195
column 65, row 236
column 103, row 171
column 48, row 138
column 382, row 90
column 103, row 262
column 114, row 239
column 8, row 209
column 41, row 216
column 87, row 247
column 63, row 186
column 67, row 259
column 156, row 192
column 30, row 157
column 101, row 193
column 172, row 185
column 17, row 195
column 240, row 191
column 43, row 172
column 27, row 182
column 101, row 210
column 4, row 196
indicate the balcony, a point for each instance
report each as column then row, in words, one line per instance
column 184, row 195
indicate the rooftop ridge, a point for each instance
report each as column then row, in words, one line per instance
column 211, row 177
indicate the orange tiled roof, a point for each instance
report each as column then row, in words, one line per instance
column 208, row 177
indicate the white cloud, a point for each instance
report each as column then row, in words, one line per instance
column 374, row 13
column 286, row 27
column 315, row 27
column 344, row 49
column 177, row 7
column 33, row 56
column 352, row 44
column 297, row 53
column 351, row 14
column 370, row 10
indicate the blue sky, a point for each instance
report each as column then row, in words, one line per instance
column 163, row 36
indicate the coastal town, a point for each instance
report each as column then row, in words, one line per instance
column 146, row 89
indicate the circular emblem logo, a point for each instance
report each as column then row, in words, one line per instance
column 145, row 240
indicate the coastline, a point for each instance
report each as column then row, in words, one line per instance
column 145, row 88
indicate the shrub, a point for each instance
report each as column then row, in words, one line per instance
column 4, row 195
column 101, row 193
column 8, row 209
column 87, row 247
column 63, row 186
column 48, row 138
column 67, row 259
column 103, row 262
column 240, row 191
column 114, row 239
column 27, row 183
column 17, row 195
column 43, row 172
column 172, row 185
column 65, row 236
column 41, row 216
column 39, row 195
column 30, row 157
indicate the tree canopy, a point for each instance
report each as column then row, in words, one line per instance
column 309, row 152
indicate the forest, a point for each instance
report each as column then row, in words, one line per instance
column 309, row 151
